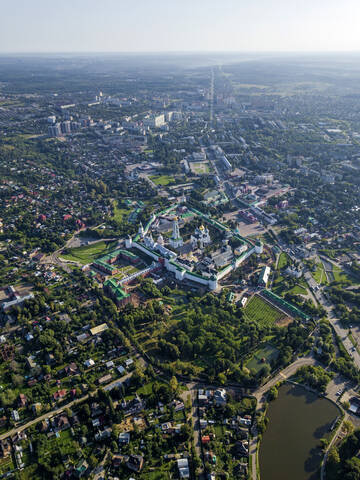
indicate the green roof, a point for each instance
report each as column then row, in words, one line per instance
column 116, row 289
column 294, row 310
column 230, row 297
column 103, row 261
column 104, row 264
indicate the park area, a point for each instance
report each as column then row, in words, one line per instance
column 199, row 168
column 262, row 356
column 163, row 180
column 6, row 465
column 341, row 276
column 319, row 274
column 127, row 270
column 283, row 261
column 121, row 212
column 88, row 253
column 262, row 312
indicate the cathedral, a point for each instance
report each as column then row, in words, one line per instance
column 200, row 238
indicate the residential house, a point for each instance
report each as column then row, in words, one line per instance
column 135, row 463
column 59, row 395
column 220, row 397
column 71, row 369
column 22, row 401
column 124, row 438
column 5, row 448
column 183, row 467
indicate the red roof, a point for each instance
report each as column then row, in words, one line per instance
column 59, row 394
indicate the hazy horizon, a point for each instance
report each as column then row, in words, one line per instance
column 209, row 26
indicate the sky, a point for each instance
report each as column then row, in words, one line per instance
column 178, row 25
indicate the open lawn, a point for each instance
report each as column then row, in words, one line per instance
column 261, row 356
column 262, row 312
column 298, row 290
column 319, row 274
column 6, row 465
column 341, row 276
column 120, row 212
column 164, row 475
column 89, row 253
column 281, row 288
column 199, row 168
column 284, row 261
column 127, row 270
column 162, row 180
column 145, row 389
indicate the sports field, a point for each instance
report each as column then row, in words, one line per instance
column 262, row 312
column 199, row 168
column 261, row 357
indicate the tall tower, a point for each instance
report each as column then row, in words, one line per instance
column 176, row 230
column 141, row 230
column 259, row 247
column 183, row 197
column 176, row 240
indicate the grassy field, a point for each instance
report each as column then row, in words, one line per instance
column 262, row 312
column 126, row 271
column 339, row 275
column 298, row 290
column 6, row 464
column 329, row 253
column 319, row 274
column 162, row 180
column 120, row 213
column 89, row 253
column 199, row 168
column 267, row 352
column 279, row 287
column 284, row 260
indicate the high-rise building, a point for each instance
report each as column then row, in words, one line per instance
column 66, row 127
column 54, row 130
column 154, row 121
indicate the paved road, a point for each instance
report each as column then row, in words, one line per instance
column 283, row 375
column 322, row 471
column 54, row 258
column 195, row 420
column 339, row 329
column 197, row 431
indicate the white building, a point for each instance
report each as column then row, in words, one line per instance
column 154, row 121
column 176, row 240
column 183, row 466
column 200, row 237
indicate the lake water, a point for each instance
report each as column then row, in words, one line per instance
column 297, row 420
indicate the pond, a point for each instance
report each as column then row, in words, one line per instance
column 298, row 419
